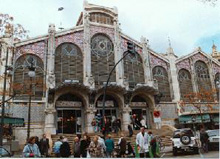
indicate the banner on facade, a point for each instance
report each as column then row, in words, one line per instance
column 157, row 118
column 108, row 103
column 68, row 104
column 139, row 104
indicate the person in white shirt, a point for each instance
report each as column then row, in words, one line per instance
column 142, row 143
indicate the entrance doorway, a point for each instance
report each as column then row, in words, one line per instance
column 69, row 121
column 69, row 114
column 140, row 108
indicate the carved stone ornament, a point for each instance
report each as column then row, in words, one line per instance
column 51, row 96
column 127, row 97
column 51, row 28
column 92, row 95
column 51, row 81
column 91, row 80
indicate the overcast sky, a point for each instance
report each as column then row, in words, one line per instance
column 188, row 23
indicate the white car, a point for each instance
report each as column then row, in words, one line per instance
column 213, row 139
column 184, row 140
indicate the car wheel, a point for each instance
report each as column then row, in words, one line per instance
column 175, row 151
column 185, row 139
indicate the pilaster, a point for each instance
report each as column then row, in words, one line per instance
column 146, row 61
column 118, row 54
column 193, row 74
column 89, row 115
column 126, row 120
column 174, row 75
column 51, row 57
column 50, row 120
column 88, row 78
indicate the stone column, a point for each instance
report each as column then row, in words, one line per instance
column 174, row 75
column 88, row 78
column 118, row 54
column 193, row 75
column 50, row 120
column 146, row 60
column 89, row 115
column 126, row 118
column 50, row 114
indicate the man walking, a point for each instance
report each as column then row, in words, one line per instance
column 44, row 146
column 142, row 143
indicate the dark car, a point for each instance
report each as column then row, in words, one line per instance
column 213, row 139
column 4, row 152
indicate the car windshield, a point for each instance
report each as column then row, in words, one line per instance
column 3, row 152
column 213, row 133
column 178, row 133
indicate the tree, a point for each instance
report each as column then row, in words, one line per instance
column 201, row 101
column 211, row 2
column 7, row 25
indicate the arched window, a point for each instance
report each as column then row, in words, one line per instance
column 185, row 83
column 217, row 83
column 102, row 59
column 133, row 70
column 68, row 63
column 21, row 82
column 203, row 78
column 160, row 74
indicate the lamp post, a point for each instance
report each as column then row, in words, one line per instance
column 31, row 74
column 131, row 50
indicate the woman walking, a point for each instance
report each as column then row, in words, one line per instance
column 65, row 148
column 96, row 149
column 31, row 149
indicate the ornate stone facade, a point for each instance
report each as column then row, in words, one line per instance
column 79, row 100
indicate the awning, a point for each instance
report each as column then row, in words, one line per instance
column 13, row 121
column 187, row 119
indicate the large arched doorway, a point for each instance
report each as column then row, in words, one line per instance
column 70, row 117
column 140, row 106
column 111, row 107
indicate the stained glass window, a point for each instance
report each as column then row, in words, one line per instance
column 21, row 82
column 160, row 74
column 68, row 63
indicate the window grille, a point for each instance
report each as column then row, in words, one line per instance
column 21, row 82
column 101, row 18
column 68, row 63
column 185, row 83
column 133, row 70
column 160, row 74
column 102, row 59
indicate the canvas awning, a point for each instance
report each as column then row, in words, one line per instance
column 13, row 121
column 187, row 119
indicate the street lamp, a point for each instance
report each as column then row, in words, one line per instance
column 31, row 74
column 130, row 50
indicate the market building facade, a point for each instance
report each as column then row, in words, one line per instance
column 72, row 67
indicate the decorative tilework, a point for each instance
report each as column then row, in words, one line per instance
column 216, row 68
column 20, row 110
column 199, row 56
column 184, row 64
column 108, row 31
column 76, row 38
column 34, row 48
column 155, row 61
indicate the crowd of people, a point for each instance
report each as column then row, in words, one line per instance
column 97, row 147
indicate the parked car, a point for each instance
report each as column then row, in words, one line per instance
column 4, row 152
column 184, row 140
column 213, row 139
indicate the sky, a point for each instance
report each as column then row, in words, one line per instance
column 188, row 24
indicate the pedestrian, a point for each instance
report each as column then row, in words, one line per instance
column 44, row 146
column 37, row 141
column 109, row 143
column 107, row 126
column 130, row 131
column 84, row 145
column 114, row 125
column 31, row 149
column 76, row 148
column 96, row 149
column 119, row 124
column 56, row 147
column 142, row 143
column 143, row 122
column 122, row 144
column 65, row 148
column 204, row 138
column 102, row 142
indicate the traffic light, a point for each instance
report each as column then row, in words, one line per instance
column 131, row 47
